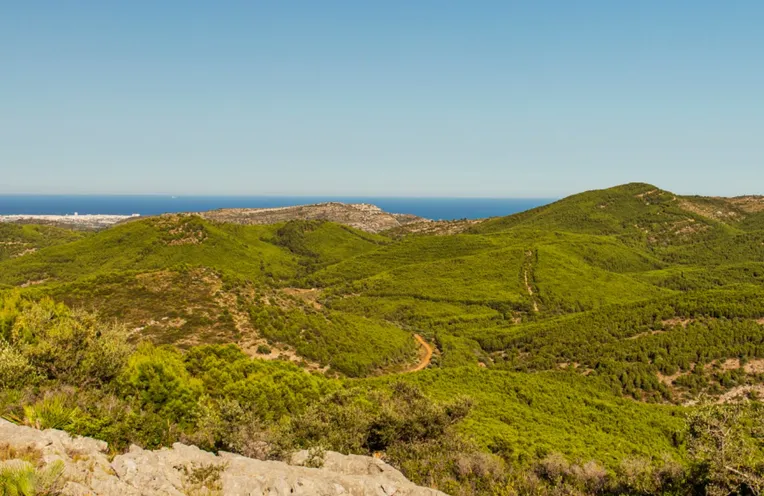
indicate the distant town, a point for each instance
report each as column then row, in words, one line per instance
column 90, row 221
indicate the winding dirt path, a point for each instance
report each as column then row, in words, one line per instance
column 529, row 258
column 426, row 357
column 530, row 292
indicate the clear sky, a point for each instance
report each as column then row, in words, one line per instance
column 392, row 98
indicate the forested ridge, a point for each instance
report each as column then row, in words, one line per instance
column 596, row 345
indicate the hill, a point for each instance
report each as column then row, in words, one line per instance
column 584, row 331
column 18, row 240
column 184, row 280
column 361, row 216
column 639, row 211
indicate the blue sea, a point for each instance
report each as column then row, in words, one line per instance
column 430, row 208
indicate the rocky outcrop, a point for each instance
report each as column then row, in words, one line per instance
column 357, row 215
column 434, row 227
column 187, row 470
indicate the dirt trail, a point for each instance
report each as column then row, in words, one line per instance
column 529, row 258
column 530, row 292
column 426, row 357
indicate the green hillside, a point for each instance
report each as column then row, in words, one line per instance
column 753, row 222
column 638, row 345
column 624, row 209
column 182, row 280
column 578, row 334
column 531, row 414
column 17, row 240
column 263, row 253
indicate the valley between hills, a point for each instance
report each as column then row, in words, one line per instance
column 611, row 342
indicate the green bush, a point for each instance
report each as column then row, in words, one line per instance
column 61, row 344
column 19, row 478
column 52, row 412
column 727, row 446
column 15, row 369
column 360, row 421
column 156, row 377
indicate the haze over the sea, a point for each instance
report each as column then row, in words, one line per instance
column 430, row 208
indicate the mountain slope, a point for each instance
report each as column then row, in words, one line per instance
column 18, row 240
column 253, row 252
column 638, row 212
column 183, row 280
column 581, row 327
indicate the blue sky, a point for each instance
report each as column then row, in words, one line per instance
column 394, row 98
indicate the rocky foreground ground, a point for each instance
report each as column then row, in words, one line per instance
column 187, row 470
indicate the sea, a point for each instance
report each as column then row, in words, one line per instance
column 430, row 208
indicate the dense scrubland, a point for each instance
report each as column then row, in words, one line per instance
column 609, row 343
column 18, row 239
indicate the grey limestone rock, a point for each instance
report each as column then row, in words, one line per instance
column 187, row 470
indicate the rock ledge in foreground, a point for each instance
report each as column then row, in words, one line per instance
column 183, row 470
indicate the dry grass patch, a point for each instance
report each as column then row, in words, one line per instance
column 710, row 211
column 754, row 366
column 27, row 453
column 669, row 379
column 737, row 393
column 677, row 321
column 309, row 296
column 750, row 204
column 34, row 282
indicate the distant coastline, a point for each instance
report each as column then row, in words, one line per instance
column 103, row 205
column 92, row 221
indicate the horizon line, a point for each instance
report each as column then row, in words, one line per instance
column 314, row 196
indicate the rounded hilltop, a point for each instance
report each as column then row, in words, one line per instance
column 363, row 216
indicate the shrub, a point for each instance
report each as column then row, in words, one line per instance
column 58, row 344
column 316, row 456
column 21, row 478
column 450, row 463
column 15, row 369
column 157, row 379
column 725, row 442
column 52, row 412
column 362, row 421
column 202, row 479
column 407, row 415
column 29, row 454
